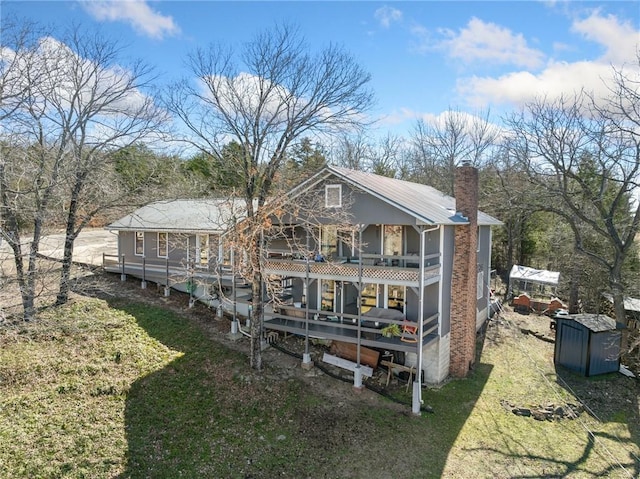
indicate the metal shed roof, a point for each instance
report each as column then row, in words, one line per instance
column 206, row 215
column 594, row 322
column 422, row 201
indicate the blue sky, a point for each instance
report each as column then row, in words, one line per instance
column 424, row 57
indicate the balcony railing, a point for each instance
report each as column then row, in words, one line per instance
column 345, row 327
column 403, row 269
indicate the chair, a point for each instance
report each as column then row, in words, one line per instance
column 409, row 330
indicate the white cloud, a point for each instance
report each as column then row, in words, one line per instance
column 487, row 42
column 135, row 12
column 387, row 15
column 619, row 40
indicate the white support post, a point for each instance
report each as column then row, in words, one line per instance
column 417, row 401
column 357, row 378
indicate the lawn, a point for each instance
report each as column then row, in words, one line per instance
column 124, row 389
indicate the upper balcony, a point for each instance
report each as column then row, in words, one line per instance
column 371, row 268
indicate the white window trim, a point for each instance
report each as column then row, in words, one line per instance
column 326, row 196
column 135, row 243
column 166, row 252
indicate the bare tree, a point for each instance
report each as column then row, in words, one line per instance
column 281, row 93
column 441, row 144
column 586, row 160
column 382, row 156
column 76, row 106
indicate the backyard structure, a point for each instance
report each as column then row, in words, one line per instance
column 422, row 256
column 588, row 344
column 534, row 290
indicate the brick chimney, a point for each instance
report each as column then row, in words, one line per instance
column 465, row 276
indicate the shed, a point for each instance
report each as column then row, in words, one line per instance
column 588, row 344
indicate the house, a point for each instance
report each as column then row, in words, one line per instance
column 398, row 253
column 178, row 244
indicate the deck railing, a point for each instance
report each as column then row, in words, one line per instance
column 345, row 327
column 381, row 267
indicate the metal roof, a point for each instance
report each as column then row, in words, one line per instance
column 524, row 273
column 207, row 215
column 594, row 322
column 422, row 201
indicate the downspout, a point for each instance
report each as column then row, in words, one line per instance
column 357, row 375
column 417, row 385
column 306, row 357
column 488, row 279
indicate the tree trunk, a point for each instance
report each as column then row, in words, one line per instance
column 574, row 284
column 617, row 291
column 257, row 307
column 67, row 262
column 70, row 236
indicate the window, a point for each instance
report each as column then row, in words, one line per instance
column 202, row 251
column 226, row 250
column 480, row 285
column 395, row 297
column 369, row 297
column 392, row 239
column 327, row 295
column 333, row 196
column 329, row 241
column 163, row 245
column 139, row 248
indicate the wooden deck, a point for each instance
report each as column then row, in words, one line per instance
column 330, row 326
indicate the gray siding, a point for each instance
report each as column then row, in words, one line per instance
column 447, row 271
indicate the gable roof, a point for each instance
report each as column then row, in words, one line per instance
column 186, row 216
column 423, row 202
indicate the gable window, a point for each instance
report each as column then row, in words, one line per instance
column 333, row 196
column 163, row 245
column 139, row 247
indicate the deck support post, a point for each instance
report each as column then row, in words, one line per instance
column 415, row 407
column 143, row 283
column 306, row 361
column 123, row 276
column 234, row 334
column 357, row 378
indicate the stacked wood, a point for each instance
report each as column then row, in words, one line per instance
column 349, row 351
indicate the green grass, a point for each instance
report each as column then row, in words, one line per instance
column 103, row 390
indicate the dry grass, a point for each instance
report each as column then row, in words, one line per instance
column 123, row 388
